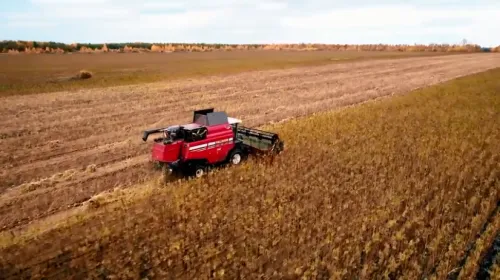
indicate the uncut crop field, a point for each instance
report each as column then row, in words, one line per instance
column 400, row 188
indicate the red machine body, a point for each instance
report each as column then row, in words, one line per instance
column 212, row 138
column 212, row 149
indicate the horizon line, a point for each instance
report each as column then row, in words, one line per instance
column 221, row 43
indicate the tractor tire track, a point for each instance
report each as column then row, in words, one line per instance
column 66, row 193
column 471, row 246
column 489, row 259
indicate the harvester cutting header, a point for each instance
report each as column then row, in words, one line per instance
column 211, row 139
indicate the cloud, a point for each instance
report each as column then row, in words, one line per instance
column 68, row 2
column 356, row 17
column 387, row 17
column 272, row 6
column 399, row 22
column 63, row 14
column 179, row 21
column 156, row 5
column 257, row 21
column 30, row 24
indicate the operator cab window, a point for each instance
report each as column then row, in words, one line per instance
column 196, row 134
column 174, row 133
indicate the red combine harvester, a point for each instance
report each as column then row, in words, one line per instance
column 211, row 139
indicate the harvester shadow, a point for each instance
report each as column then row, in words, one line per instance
column 168, row 177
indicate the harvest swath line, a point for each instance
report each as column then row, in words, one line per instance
column 453, row 275
column 488, row 261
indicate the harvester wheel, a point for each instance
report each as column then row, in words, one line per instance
column 167, row 174
column 235, row 157
column 199, row 171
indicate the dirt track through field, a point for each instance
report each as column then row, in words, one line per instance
column 60, row 149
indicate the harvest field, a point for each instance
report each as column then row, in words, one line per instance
column 406, row 187
column 29, row 74
column 61, row 149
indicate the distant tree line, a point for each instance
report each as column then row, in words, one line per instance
column 21, row 46
column 56, row 47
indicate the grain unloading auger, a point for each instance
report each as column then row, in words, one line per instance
column 211, row 139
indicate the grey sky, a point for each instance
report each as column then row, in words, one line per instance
column 256, row 21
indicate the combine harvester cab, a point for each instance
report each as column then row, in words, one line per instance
column 211, row 139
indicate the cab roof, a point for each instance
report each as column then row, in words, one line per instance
column 191, row 126
column 233, row 120
column 207, row 117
